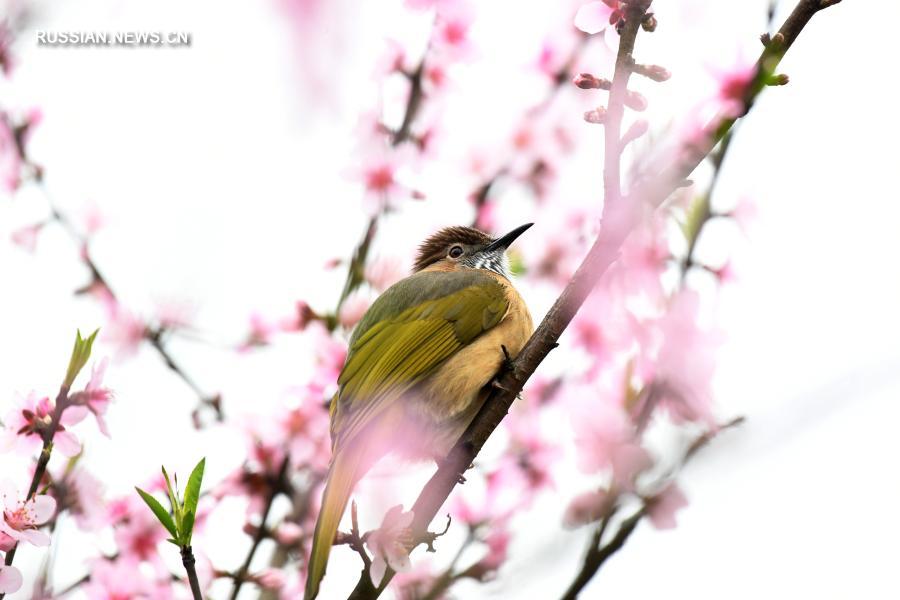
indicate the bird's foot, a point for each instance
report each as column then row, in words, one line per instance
column 507, row 359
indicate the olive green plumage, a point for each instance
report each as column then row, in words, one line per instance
column 412, row 328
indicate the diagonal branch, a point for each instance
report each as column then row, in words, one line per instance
column 617, row 225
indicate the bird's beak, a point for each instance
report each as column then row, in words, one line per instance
column 506, row 241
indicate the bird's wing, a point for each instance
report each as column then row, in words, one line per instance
column 413, row 327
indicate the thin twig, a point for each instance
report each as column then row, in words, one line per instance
column 187, row 559
column 278, row 485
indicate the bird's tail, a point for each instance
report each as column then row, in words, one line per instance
column 347, row 466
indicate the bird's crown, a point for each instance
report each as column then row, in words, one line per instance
column 437, row 246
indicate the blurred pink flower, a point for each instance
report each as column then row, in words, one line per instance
column 497, row 543
column 686, row 359
column 745, row 213
column 388, row 543
column 605, row 439
column 353, row 309
column 21, row 518
column 532, row 453
column 451, row 29
column 305, row 431
column 661, row 508
column 384, row 272
column 417, row 583
column 95, row 398
column 10, row 579
column 733, row 83
column 261, row 332
column 138, row 534
column 117, row 580
column 585, row 508
column 84, row 498
column 271, row 578
column 25, row 423
column 26, row 237
column 124, row 329
column 288, row 533
column 594, row 17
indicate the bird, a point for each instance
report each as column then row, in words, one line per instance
column 419, row 366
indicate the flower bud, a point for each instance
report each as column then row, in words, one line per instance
column 654, row 72
column 586, row 81
column 637, row 129
column 635, row 101
column 596, row 116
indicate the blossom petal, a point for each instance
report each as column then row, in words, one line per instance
column 44, row 507
column 34, row 537
column 10, row 579
column 593, row 17
column 398, row 558
column 67, row 444
column 377, row 570
column 73, row 415
column 663, row 507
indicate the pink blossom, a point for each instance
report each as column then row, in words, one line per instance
column 389, row 543
column 497, row 543
column 744, row 213
column 353, row 309
column 138, row 534
column 25, row 423
column 288, row 533
column 733, row 83
column 661, row 508
column 686, row 359
column 417, row 582
column 594, row 17
column 586, row 508
column 451, row 30
column 92, row 219
column 725, row 273
column 123, row 328
column 604, row 435
column 271, row 579
column 26, row 237
column 261, row 332
column 83, row 497
column 10, row 579
column 304, row 429
column 531, row 452
column 384, row 272
column 95, row 398
column 21, row 518
column 117, row 580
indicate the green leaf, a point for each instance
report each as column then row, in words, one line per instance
column 173, row 499
column 161, row 513
column 192, row 491
column 80, row 355
column 173, row 542
column 187, row 529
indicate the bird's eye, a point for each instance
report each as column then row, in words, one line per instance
column 456, row 252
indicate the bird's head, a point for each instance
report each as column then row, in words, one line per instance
column 456, row 248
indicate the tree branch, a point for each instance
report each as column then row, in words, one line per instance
column 618, row 221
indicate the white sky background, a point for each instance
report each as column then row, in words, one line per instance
column 222, row 180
